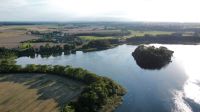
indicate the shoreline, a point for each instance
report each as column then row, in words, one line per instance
column 91, row 80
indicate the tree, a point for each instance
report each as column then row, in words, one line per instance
column 68, row 108
column 31, row 68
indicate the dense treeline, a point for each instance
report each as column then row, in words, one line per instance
column 55, row 50
column 164, row 39
column 105, row 34
column 99, row 92
column 38, row 41
column 100, row 44
column 7, row 57
column 162, row 26
column 16, row 23
column 150, row 57
column 44, row 51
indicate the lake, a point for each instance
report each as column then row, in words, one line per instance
column 174, row 88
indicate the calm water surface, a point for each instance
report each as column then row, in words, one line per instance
column 174, row 88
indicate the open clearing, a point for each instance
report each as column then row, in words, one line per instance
column 36, row 92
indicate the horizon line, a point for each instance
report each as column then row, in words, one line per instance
column 106, row 21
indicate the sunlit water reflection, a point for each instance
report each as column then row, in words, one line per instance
column 176, row 87
column 189, row 57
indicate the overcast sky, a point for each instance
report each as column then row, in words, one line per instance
column 100, row 10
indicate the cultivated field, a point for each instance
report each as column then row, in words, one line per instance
column 10, row 37
column 36, row 92
column 142, row 33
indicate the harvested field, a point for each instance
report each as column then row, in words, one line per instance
column 36, row 92
column 11, row 38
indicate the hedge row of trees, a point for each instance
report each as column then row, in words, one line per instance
column 98, row 92
column 38, row 41
column 104, row 34
column 44, row 51
column 56, row 50
column 164, row 39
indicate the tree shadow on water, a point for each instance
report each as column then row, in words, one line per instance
column 152, row 66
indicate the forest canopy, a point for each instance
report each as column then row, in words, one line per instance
column 150, row 57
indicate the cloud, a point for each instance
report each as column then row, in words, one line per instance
column 69, row 10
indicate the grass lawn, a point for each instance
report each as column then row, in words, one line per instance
column 142, row 33
column 94, row 38
column 25, row 45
